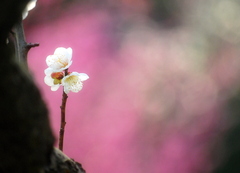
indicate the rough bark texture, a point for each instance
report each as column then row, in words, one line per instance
column 60, row 163
column 26, row 137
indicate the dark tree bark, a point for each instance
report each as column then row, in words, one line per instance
column 26, row 138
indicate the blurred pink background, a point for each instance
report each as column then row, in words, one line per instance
column 155, row 101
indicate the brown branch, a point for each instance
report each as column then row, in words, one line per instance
column 63, row 121
column 20, row 42
column 21, row 46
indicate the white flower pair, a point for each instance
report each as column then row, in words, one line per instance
column 57, row 75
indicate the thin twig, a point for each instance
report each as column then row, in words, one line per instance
column 63, row 121
column 31, row 45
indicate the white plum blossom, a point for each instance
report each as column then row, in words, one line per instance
column 53, row 79
column 73, row 82
column 50, row 82
column 31, row 4
column 60, row 60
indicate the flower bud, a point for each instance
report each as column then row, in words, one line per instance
column 57, row 75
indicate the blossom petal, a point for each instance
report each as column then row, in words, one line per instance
column 72, row 83
column 83, row 76
column 57, row 63
column 55, row 87
column 51, row 59
column 69, row 50
column 63, row 52
column 66, row 90
column 60, row 60
column 48, row 80
column 74, row 88
column 69, row 63
column 48, row 71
